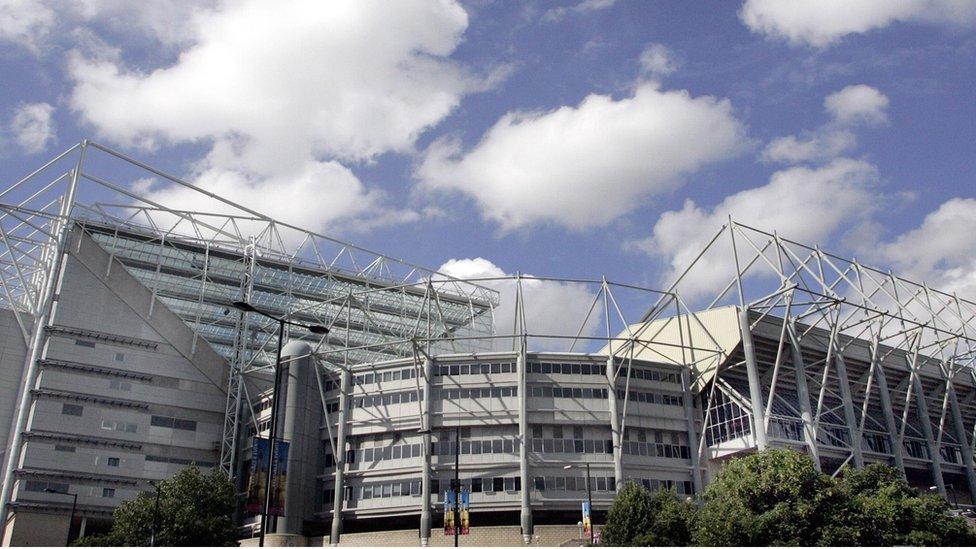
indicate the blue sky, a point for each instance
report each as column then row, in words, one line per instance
column 568, row 139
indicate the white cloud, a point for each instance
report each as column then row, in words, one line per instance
column 284, row 95
column 586, row 6
column 586, row 165
column 820, row 23
column 822, row 145
column 857, row 104
column 940, row 251
column 657, row 61
column 25, row 22
column 804, row 204
column 32, row 127
column 848, row 108
column 551, row 307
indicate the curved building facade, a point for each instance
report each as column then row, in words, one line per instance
column 397, row 424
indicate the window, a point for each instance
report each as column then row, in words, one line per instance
column 108, row 492
column 475, row 485
column 72, row 409
column 112, row 462
column 509, row 484
column 160, row 421
column 120, row 385
column 83, row 343
column 63, row 448
column 540, row 484
column 119, row 357
column 498, row 484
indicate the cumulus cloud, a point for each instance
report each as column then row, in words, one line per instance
column 586, row 6
column 802, row 203
column 584, row 166
column 32, row 126
column 820, row 23
column 25, row 22
column 551, row 307
column 853, row 106
column 940, row 251
column 282, row 96
column 657, row 61
column 857, row 104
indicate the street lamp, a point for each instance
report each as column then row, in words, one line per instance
column 155, row 521
column 74, row 505
column 952, row 490
column 589, row 498
column 246, row 307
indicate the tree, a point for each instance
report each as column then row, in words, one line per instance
column 638, row 518
column 671, row 521
column 776, row 497
column 194, row 509
column 628, row 517
column 890, row 512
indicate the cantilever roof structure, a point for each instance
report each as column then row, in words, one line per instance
column 196, row 263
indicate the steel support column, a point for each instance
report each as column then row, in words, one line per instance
column 889, row 416
column 425, row 482
column 616, row 437
column 848, row 403
column 803, row 395
column 755, row 390
column 964, row 447
column 345, row 386
column 922, row 411
column 523, row 396
column 687, row 396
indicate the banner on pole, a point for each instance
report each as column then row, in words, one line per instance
column 259, row 476
column 587, row 525
column 449, row 505
column 465, row 514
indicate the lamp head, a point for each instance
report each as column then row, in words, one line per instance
column 316, row 329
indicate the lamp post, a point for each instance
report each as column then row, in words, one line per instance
column 246, row 307
column 589, row 498
column 155, row 521
column 74, row 505
column 952, row 490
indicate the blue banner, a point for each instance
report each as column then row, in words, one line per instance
column 258, row 477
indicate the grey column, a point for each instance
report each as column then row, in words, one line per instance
column 339, row 501
column 803, row 395
column 755, row 389
column 615, row 435
column 523, row 415
column 885, row 395
column 965, row 449
column 696, row 474
column 922, row 409
column 849, row 417
column 302, row 416
column 425, row 483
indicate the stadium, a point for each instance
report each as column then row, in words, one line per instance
column 139, row 338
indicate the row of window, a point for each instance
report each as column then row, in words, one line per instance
column 570, row 446
column 475, row 369
column 377, row 377
column 547, row 391
column 474, row 393
column 652, row 398
column 584, row 369
column 656, row 449
column 174, row 423
column 574, row 484
column 180, row 461
column 62, row 487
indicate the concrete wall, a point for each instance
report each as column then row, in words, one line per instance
column 13, row 353
column 485, row 536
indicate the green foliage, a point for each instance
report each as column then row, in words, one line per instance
column 639, row 519
column 628, row 517
column 890, row 512
column 777, row 497
column 194, row 509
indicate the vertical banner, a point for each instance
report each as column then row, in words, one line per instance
column 586, row 518
column 449, row 505
column 465, row 515
column 279, row 479
column 259, row 475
